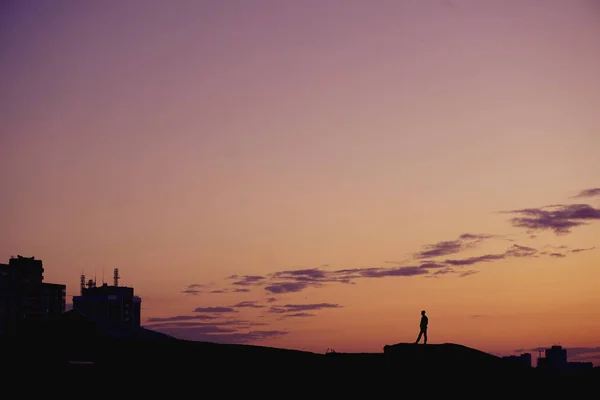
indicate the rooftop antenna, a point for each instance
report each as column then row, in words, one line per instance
column 116, row 277
column 82, row 283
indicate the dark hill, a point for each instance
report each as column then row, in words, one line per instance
column 442, row 357
column 164, row 363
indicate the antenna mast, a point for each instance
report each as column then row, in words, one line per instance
column 116, row 277
column 82, row 283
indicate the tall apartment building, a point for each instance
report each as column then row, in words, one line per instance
column 24, row 297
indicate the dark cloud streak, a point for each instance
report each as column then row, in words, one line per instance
column 298, row 315
column 588, row 193
column 248, row 304
column 309, row 307
column 560, row 219
column 581, row 250
column 296, row 309
column 248, row 280
column 179, row 318
column 447, row 247
column 193, row 289
column 214, row 310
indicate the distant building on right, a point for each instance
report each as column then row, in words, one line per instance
column 114, row 306
column 556, row 361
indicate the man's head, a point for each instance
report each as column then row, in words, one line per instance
column 423, row 312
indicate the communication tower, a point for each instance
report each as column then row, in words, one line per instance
column 116, row 277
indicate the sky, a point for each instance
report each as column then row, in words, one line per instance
column 312, row 174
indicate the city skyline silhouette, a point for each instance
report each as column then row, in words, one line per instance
column 114, row 311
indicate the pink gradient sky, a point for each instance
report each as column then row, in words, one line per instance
column 187, row 141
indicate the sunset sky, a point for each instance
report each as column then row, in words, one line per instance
column 311, row 174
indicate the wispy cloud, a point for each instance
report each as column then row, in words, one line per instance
column 298, row 280
column 308, row 307
column 197, row 329
column 217, row 330
column 443, row 271
column 194, row 289
column 557, row 255
column 562, row 251
column 560, row 219
column 579, row 351
column 195, row 292
column 234, row 324
column 300, row 310
column 192, row 292
column 581, row 250
column 591, row 357
column 248, row 304
column 447, row 247
column 214, row 310
column 298, row 315
column 588, row 193
column 514, row 251
column 179, row 318
column 246, row 280
column 288, row 287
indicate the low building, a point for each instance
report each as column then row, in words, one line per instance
column 109, row 305
column 522, row 359
column 580, row 366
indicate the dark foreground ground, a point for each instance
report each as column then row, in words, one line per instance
column 136, row 362
column 175, row 368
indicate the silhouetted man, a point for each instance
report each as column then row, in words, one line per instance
column 423, row 331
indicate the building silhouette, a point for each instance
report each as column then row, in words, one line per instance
column 522, row 359
column 24, row 297
column 114, row 306
column 556, row 360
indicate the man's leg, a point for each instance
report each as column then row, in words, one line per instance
column 425, row 336
column 419, row 338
